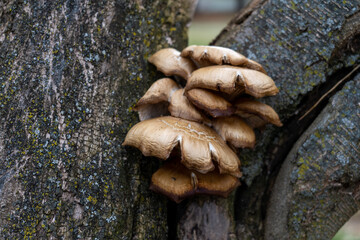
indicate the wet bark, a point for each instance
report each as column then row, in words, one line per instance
column 70, row 72
column 306, row 47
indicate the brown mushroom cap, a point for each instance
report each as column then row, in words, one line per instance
column 209, row 55
column 233, row 81
column 161, row 90
column 177, row 182
column 253, row 120
column 211, row 103
column 169, row 62
column 245, row 107
column 182, row 108
column 199, row 144
column 235, row 131
column 155, row 102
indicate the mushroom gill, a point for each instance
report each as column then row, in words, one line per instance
column 155, row 102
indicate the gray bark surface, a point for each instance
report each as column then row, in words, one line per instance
column 306, row 47
column 70, row 72
column 318, row 186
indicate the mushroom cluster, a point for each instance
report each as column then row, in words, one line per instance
column 199, row 127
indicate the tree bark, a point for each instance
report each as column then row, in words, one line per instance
column 70, row 72
column 306, row 48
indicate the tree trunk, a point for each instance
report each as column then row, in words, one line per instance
column 306, row 48
column 70, row 72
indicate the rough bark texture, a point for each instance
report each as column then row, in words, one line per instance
column 306, row 47
column 318, row 186
column 70, row 72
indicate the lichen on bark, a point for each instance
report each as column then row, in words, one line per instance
column 70, row 72
column 320, row 177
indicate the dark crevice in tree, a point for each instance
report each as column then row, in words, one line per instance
column 247, row 200
column 174, row 213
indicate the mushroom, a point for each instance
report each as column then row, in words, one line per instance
column 177, row 182
column 182, row 108
column 200, row 145
column 169, row 62
column 200, row 161
column 232, row 81
column 155, row 102
column 211, row 103
column 235, row 131
column 209, row 55
column 257, row 113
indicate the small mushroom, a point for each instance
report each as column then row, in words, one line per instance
column 232, row 81
column 200, row 146
column 169, row 62
column 212, row 55
column 177, row 182
column 181, row 107
column 235, row 131
column 211, row 103
column 155, row 102
column 252, row 109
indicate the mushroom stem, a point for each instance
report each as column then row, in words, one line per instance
column 194, row 181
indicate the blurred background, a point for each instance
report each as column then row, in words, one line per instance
column 211, row 16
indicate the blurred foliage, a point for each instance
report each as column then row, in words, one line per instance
column 203, row 32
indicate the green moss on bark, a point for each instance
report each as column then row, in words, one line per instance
column 69, row 75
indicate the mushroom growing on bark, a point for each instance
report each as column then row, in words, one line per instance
column 211, row 103
column 178, row 182
column 201, row 162
column 213, row 55
column 169, row 62
column 165, row 97
column 257, row 113
column 232, row 81
column 235, row 131
column 181, row 107
column 200, row 145
column 155, row 102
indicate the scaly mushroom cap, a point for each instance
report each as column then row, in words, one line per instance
column 181, row 107
column 211, row 103
column 235, row 131
column 169, row 62
column 245, row 107
column 177, row 182
column 199, row 144
column 155, row 102
column 209, row 55
column 233, row 81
